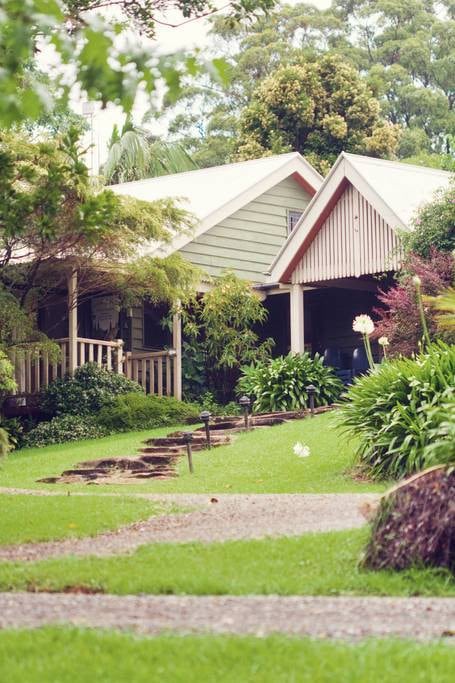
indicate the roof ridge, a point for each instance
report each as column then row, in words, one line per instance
column 396, row 162
column 286, row 156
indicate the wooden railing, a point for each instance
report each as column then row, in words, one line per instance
column 156, row 371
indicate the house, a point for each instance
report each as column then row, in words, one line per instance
column 346, row 246
column 244, row 213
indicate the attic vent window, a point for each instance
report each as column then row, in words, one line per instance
column 293, row 219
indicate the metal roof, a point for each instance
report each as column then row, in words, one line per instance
column 212, row 194
column 403, row 187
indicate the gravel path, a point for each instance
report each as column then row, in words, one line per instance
column 344, row 617
column 217, row 518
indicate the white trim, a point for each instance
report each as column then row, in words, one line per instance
column 291, row 163
column 297, row 318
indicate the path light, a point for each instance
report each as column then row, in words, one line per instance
column 311, row 390
column 244, row 403
column 205, row 418
column 187, row 439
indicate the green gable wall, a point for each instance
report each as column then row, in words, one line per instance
column 249, row 239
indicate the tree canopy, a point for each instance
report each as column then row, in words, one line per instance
column 53, row 220
column 317, row 108
column 403, row 51
column 100, row 58
column 134, row 153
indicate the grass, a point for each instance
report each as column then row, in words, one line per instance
column 69, row 655
column 259, row 462
column 44, row 518
column 314, row 564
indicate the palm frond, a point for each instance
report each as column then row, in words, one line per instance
column 136, row 154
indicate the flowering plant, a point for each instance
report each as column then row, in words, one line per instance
column 301, row 450
column 365, row 326
column 384, row 343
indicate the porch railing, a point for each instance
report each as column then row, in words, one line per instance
column 155, row 371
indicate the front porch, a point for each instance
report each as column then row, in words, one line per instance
column 157, row 370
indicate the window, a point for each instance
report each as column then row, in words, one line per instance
column 155, row 335
column 293, row 219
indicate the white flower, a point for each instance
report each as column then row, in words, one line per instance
column 383, row 341
column 416, row 280
column 363, row 324
column 301, row 450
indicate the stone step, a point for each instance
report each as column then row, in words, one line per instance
column 162, row 449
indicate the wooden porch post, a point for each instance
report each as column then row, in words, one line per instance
column 177, row 344
column 296, row 300
column 72, row 322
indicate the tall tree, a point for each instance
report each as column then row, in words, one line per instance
column 105, row 67
column 53, row 221
column 319, row 109
column 405, row 50
column 134, row 153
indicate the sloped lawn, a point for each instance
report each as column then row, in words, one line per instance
column 258, row 462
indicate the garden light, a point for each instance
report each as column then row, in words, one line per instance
column 311, row 390
column 187, row 439
column 205, row 418
column 244, row 403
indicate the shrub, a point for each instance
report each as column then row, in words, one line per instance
column 397, row 409
column 415, row 524
column 90, row 389
column 434, row 225
column 399, row 317
column 15, row 429
column 138, row 411
column 7, row 382
column 441, row 446
column 62, row 429
column 208, row 402
column 280, row 383
column 5, row 445
column 222, row 334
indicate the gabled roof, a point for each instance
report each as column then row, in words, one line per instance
column 212, row 194
column 396, row 190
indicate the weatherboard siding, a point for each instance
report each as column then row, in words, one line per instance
column 248, row 240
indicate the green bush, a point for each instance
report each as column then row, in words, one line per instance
column 62, row 429
column 15, row 429
column 90, row 389
column 207, row 401
column 280, row 383
column 5, row 445
column 441, row 446
column 137, row 411
column 7, row 382
column 401, row 410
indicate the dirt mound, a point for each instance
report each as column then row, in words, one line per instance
column 415, row 524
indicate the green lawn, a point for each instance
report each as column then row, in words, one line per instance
column 77, row 656
column 259, row 462
column 43, row 518
column 314, row 564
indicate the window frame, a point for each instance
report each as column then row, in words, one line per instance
column 288, row 219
